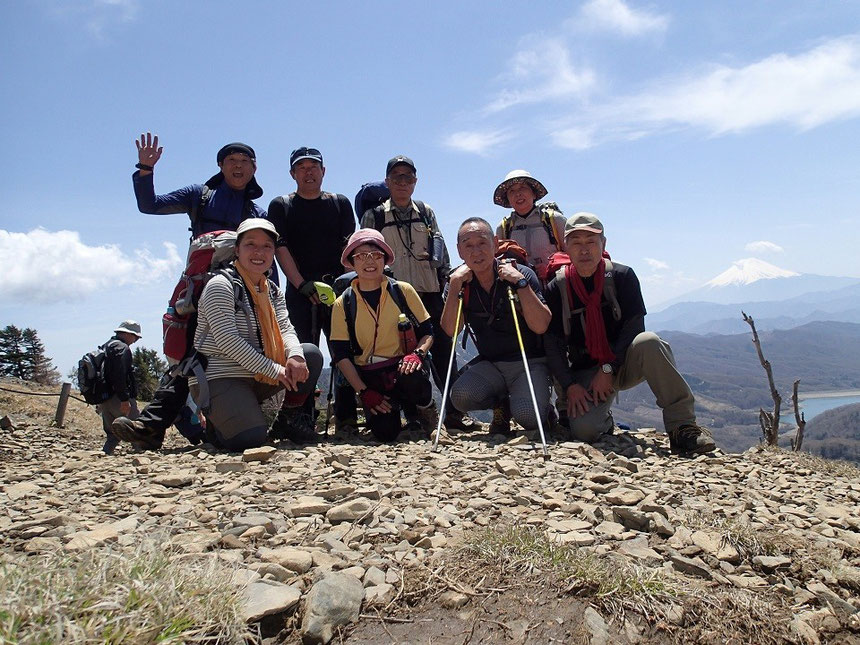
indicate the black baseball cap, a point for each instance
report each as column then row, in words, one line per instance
column 305, row 153
column 398, row 160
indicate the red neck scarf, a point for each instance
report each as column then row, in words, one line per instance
column 596, row 343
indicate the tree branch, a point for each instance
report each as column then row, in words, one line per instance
column 799, row 419
column 771, row 428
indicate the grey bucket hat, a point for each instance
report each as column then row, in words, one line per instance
column 500, row 195
column 129, row 327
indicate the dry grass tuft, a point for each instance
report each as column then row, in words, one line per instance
column 748, row 541
column 613, row 584
column 721, row 617
column 106, row 596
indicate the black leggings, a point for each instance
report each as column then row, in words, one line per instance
column 414, row 389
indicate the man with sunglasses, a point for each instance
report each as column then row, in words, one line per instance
column 421, row 259
column 313, row 226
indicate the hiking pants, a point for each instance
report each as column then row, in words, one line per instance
column 309, row 320
column 649, row 358
column 485, row 384
column 440, row 353
column 235, row 411
column 110, row 411
column 402, row 389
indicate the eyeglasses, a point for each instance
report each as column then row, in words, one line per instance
column 402, row 179
column 369, row 255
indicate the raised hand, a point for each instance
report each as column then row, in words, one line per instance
column 148, row 150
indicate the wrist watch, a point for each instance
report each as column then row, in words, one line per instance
column 520, row 284
column 606, row 368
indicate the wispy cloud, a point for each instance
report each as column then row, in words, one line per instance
column 97, row 16
column 657, row 265
column 49, row 266
column 476, row 142
column 617, row 16
column 805, row 91
column 763, row 246
column 541, row 70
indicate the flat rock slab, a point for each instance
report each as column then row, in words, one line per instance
column 333, row 601
column 261, row 454
column 265, row 599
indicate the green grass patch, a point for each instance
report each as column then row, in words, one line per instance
column 112, row 597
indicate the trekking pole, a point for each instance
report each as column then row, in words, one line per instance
column 329, row 396
column 511, row 298
column 450, row 365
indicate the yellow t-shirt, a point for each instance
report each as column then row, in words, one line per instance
column 380, row 324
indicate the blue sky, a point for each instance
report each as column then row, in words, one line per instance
column 701, row 133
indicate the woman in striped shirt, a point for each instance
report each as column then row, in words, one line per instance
column 250, row 347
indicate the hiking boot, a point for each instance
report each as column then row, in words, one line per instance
column 501, row 423
column 294, row 424
column 428, row 418
column 349, row 426
column 135, row 432
column 690, row 439
column 456, row 420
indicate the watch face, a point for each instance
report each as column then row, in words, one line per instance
column 522, row 283
column 607, row 368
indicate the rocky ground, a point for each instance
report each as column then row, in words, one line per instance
column 481, row 542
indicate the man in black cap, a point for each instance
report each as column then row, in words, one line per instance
column 313, row 226
column 222, row 203
column 420, row 258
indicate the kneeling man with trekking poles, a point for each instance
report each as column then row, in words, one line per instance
column 598, row 345
column 501, row 304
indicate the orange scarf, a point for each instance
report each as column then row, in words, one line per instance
column 270, row 333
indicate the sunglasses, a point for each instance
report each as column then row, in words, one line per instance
column 368, row 255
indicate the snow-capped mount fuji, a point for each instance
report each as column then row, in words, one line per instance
column 777, row 298
column 747, row 271
column 754, row 280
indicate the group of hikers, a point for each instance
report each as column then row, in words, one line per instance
column 538, row 295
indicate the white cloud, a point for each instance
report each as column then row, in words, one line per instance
column 615, row 15
column 763, row 246
column 46, row 266
column 657, row 265
column 805, row 91
column 476, row 142
column 97, row 16
column 540, row 71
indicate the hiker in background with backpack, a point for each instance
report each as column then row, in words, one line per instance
column 248, row 347
column 222, row 203
column 535, row 227
column 381, row 334
column 410, row 229
column 497, row 373
column 313, row 226
column 119, row 381
column 598, row 345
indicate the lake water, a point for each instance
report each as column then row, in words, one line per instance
column 812, row 407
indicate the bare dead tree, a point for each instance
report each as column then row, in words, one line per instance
column 769, row 421
column 799, row 419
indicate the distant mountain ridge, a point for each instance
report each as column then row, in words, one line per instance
column 777, row 298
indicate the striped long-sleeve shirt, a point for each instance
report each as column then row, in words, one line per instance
column 229, row 337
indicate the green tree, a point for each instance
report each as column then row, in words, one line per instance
column 148, row 368
column 12, row 361
column 40, row 368
column 22, row 355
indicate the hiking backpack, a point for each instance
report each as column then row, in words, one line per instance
column 91, row 376
column 369, row 196
column 207, row 254
column 439, row 258
column 350, row 309
column 547, row 210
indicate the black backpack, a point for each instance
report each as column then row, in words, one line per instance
column 350, row 309
column 91, row 376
